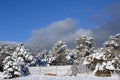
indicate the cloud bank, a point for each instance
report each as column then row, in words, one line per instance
column 111, row 27
column 67, row 31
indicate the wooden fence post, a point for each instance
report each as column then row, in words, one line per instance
column 40, row 70
column 56, row 70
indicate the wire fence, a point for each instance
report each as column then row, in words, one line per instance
column 58, row 70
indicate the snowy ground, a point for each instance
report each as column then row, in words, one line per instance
column 78, row 77
column 84, row 76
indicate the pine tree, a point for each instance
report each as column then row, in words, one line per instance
column 58, row 54
column 42, row 58
column 16, row 64
column 5, row 50
column 107, row 59
column 85, row 46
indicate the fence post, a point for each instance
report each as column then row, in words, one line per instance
column 40, row 70
column 71, row 70
column 56, row 69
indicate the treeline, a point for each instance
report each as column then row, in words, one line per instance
column 103, row 61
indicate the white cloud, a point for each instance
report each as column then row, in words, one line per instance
column 65, row 30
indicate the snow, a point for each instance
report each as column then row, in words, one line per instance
column 17, row 73
column 78, row 77
column 109, row 65
column 68, row 57
column 85, row 63
column 30, row 57
column 58, row 70
column 10, row 69
column 99, row 56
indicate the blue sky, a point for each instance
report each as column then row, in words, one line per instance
column 18, row 18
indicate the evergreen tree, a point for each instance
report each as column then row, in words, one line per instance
column 5, row 50
column 85, row 46
column 107, row 59
column 16, row 64
column 58, row 54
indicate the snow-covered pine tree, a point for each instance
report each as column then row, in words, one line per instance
column 16, row 64
column 107, row 59
column 42, row 58
column 85, row 46
column 70, row 56
column 58, row 54
column 113, row 46
column 5, row 50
